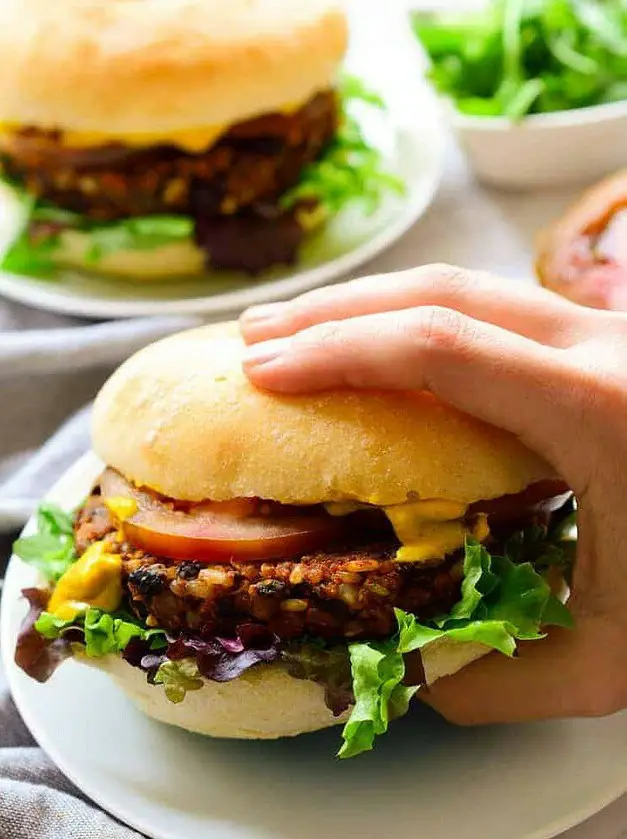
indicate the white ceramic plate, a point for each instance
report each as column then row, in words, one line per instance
column 425, row 779
column 409, row 135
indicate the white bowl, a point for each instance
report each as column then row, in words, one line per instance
column 543, row 150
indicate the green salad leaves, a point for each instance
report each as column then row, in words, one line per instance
column 501, row 602
column 520, row 57
column 350, row 170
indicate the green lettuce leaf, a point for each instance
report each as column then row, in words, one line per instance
column 29, row 253
column 51, row 627
column 378, row 671
column 177, row 677
column 502, row 602
column 100, row 633
column 51, row 549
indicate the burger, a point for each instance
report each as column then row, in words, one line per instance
column 250, row 565
column 155, row 143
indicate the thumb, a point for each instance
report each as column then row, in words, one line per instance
column 573, row 673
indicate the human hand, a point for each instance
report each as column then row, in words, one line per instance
column 521, row 358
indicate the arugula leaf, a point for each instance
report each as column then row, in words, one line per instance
column 51, row 549
column 517, row 57
column 52, row 519
column 353, row 89
column 350, row 170
column 502, row 601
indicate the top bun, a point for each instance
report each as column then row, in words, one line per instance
column 181, row 417
column 155, row 66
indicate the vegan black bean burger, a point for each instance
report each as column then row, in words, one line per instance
column 159, row 139
column 253, row 565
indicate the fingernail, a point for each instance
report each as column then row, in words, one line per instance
column 257, row 314
column 264, row 352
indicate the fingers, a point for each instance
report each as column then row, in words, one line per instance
column 526, row 310
column 495, row 375
column 573, row 673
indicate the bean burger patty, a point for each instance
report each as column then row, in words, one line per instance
column 349, row 593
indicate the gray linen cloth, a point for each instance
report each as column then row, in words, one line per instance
column 50, row 369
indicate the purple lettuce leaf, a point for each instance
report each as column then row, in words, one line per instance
column 35, row 654
column 218, row 659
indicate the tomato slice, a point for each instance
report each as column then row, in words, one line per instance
column 244, row 529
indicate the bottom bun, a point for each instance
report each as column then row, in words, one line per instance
column 176, row 260
column 266, row 702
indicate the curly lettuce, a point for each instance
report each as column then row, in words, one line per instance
column 501, row 602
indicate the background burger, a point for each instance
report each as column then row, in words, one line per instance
column 249, row 565
column 159, row 142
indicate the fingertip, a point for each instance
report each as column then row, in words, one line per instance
column 259, row 323
column 267, row 366
column 263, row 353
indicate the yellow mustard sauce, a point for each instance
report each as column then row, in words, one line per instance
column 427, row 530
column 120, row 507
column 93, row 580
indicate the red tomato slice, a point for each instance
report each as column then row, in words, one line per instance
column 244, row 529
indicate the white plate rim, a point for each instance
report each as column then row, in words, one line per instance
column 84, row 471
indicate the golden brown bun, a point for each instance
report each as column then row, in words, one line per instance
column 181, row 417
column 125, row 66
column 264, row 703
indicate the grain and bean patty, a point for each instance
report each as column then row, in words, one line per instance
column 348, row 593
